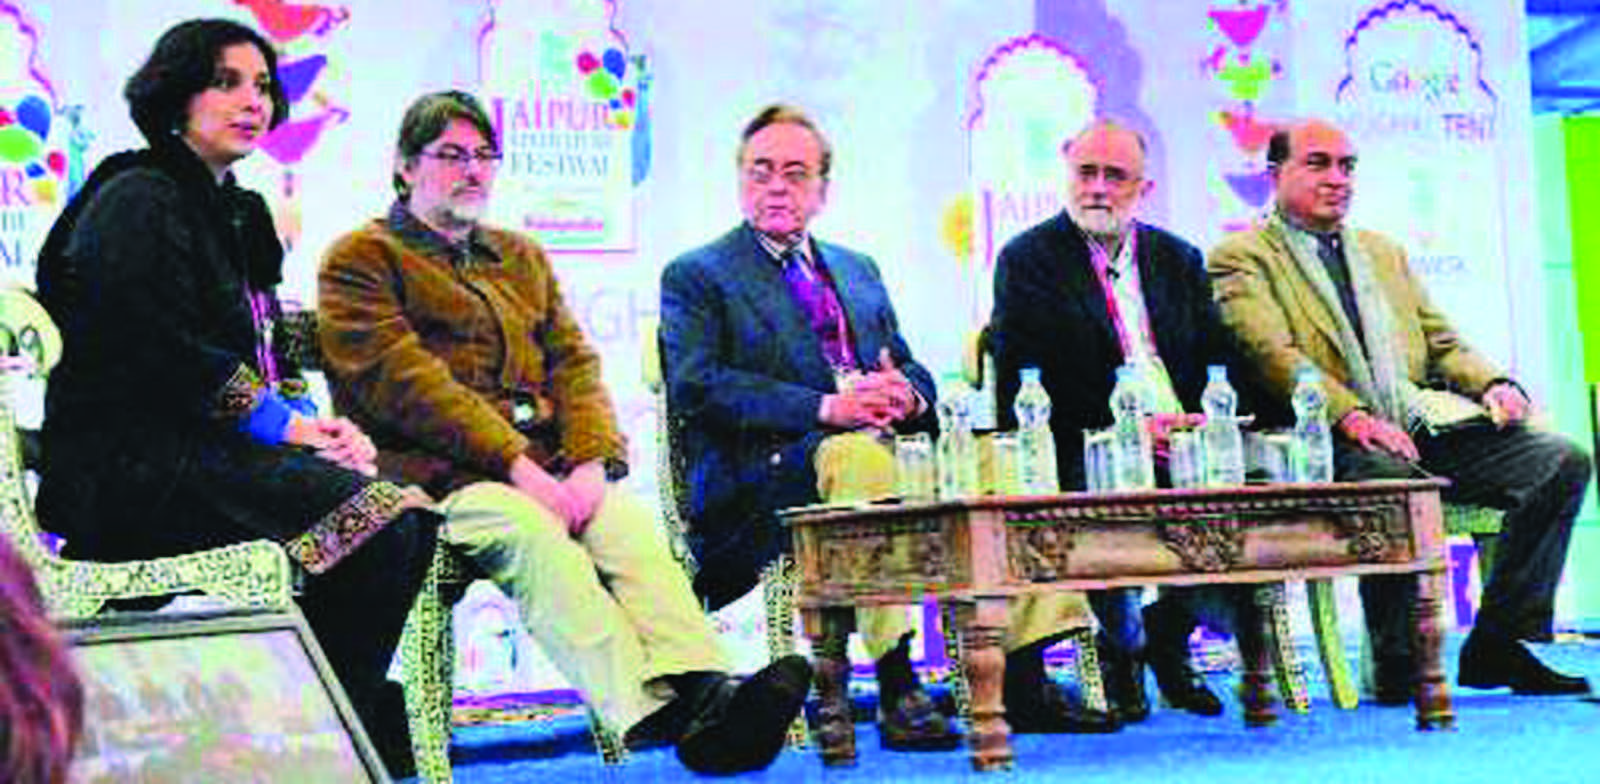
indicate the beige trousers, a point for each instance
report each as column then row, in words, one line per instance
column 611, row 608
column 858, row 466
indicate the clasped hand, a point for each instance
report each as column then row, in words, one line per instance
column 574, row 499
column 336, row 440
column 875, row 399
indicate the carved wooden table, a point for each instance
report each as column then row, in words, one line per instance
column 978, row 552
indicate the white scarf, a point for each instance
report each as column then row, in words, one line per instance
column 1377, row 371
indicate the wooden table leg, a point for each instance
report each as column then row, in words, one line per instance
column 829, row 630
column 989, row 736
column 1433, row 695
column 1256, row 681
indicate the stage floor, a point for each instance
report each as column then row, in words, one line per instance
column 1500, row 738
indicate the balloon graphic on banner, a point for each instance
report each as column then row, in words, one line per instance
column 602, row 85
column 615, row 63
column 603, row 81
column 23, row 132
column 18, row 144
column 34, row 114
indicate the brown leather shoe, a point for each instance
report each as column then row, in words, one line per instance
column 914, row 723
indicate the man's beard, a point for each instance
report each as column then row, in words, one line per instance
column 1099, row 223
column 465, row 212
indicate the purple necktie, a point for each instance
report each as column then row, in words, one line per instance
column 811, row 289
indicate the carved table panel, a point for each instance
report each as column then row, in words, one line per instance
column 978, row 552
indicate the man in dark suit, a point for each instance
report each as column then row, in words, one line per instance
column 784, row 367
column 1077, row 296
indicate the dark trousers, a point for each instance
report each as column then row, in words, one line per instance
column 357, row 610
column 1537, row 478
column 228, row 489
column 1224, row 609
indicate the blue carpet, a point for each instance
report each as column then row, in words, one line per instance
column 1499, row 738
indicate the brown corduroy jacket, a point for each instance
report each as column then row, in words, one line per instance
column 455, row 360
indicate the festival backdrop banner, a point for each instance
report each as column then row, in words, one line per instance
column 41, row 145
column 564, row 95
column 1028, row 96
column 1421, row 89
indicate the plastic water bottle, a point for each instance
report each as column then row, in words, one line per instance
column 1311, row 455
column 1224, row 444
column 981, row 414
column 1132, row 458
column 1032, row 408
column 957, row 459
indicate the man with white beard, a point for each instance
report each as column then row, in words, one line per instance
column 1077, row 296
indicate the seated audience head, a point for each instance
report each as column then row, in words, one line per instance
column 1313, row 167
column 212, row 83
column 784, row 162
column 41, row 698
column 1105, row 177
column 445, row 161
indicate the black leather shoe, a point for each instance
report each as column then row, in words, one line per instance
column 1393, row 680
column 914, row 723
column 1488, row 662
column 1123, row 675
column 742, row 728
column 666, row 725
column 1183, row 688
column 1035, row 704
column 1167, row 651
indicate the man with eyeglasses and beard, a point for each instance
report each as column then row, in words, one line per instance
column 1076, row 296
column 449, row 341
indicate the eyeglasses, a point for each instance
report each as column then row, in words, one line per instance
column 459, row 157
column 1114, row 176
column 762, row 174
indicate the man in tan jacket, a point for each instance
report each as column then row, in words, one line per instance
column 1305, row 287
column 449, row 342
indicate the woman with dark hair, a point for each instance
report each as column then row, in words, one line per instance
column 41, row 699
column 171, row 424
